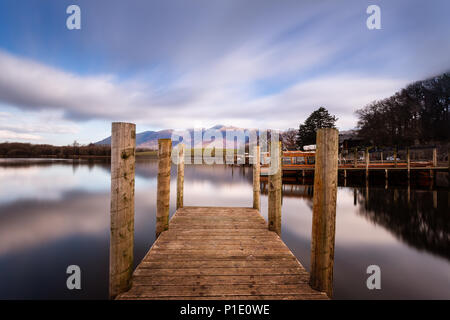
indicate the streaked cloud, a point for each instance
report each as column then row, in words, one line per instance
column 172, row 64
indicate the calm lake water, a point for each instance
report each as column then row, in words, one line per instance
column 56, row 213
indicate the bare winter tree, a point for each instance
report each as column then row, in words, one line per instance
column 289, row 138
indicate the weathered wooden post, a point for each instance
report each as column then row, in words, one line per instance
column 382, row 157
column 434, row 157
column 386, row 178
column 366, row 157
column 395, row 157
column 256, row 178
column 275, row 183
column 324, row 210
column 123, row 146
column 180, row 177
column 408, row 163
column 163, row 193
column 448, row 171
column 355, row 160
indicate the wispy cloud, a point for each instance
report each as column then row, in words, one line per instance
column 11, row 135
column 170, row 64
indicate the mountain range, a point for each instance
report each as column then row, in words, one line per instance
column 149, row 139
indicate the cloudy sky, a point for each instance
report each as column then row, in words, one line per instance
column 197, row 63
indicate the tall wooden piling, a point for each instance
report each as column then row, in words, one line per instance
column 180, row 177
column 275, row 183
column 163, row 192
column 324, row 210
column 123, row 147
column 256, row 178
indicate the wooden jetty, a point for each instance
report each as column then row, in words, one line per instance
column 219, row 252
column 302, row 164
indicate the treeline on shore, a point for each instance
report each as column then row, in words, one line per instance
column 28, row 150
column 417, row 114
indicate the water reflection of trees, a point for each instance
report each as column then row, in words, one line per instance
column 419, row 218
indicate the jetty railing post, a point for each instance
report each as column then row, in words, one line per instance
column 448, row 165
column 395, row 157
column 408, row 162
column 434, row 157
column 180, row 177
column 366, row 157
column 256, row 178
column 163, row 185
column 274, row 197
column 123, row 147
column 324, row 211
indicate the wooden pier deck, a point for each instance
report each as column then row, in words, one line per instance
column 220, row 253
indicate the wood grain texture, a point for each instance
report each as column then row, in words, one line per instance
column 180, row 177
column 256, row 178
column 229, row 255
column 163, row 187
column 123, row 143
column 275, row 184
column 324, row 210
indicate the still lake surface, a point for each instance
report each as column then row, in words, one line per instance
column 55, row 213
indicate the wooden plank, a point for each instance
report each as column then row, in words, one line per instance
column 277, row 270
column 176, row 280
column 191, row 264
column 220, row 253
column 149, row 291
column 219, row 256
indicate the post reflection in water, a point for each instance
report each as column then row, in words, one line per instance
column 54, row 213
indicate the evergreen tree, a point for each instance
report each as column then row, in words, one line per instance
column 320, row 118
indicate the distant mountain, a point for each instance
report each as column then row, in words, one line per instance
column 149, row 139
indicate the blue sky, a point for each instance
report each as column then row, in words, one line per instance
column 197, row 63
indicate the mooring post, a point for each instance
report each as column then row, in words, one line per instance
column 324, row 210
column 434, row 157
column 408, row 162
column 395, row 157
column 123, row 146
column 180, row 176
column 275, row 183
column 448, row 167
column 386, row 178
column 366, row 157
column 256, row 178
column 163, row 193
